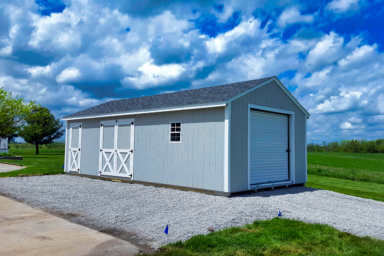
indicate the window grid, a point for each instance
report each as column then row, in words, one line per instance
column 175, row 132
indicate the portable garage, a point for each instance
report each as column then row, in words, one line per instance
column 221, row 139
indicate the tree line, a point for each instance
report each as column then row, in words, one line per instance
column 28, row 120
column 349, row 146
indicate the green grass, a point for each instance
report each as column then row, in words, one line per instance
column 355, row 161
column 348, row 166
column 276, row 237
column 49, row 161
column 354, row 188
column 356, row 174
column 347, row 174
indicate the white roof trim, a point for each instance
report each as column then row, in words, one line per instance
column 281, row 86
column 137, row 112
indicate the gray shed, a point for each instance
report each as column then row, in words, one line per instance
column 221, row 139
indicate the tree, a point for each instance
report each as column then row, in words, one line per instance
column 41, row 127
column 12, row 113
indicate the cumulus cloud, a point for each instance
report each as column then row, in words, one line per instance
column 292, row 16
column 152, row 75
column 346, row 126
column 68, row 75
column 340, row 6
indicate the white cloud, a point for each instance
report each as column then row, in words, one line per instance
column 340, row 6
column 354, row 120
column 40, row 71
column 292, row 16
column 151, row 75
column 358, row 54
column 68, row 75
column 326, row 51
column 245, row 28
column 346, row 126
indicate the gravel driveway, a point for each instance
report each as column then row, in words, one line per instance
column 140, row 213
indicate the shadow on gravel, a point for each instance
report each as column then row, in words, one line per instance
column 279, row 191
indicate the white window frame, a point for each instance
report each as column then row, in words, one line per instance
column 181, row 130
column 291, row 115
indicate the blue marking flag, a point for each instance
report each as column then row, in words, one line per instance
column 63, row 166
column 279, row 214
column 166, row 230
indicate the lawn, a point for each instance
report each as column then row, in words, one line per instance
column 357, row 174
column 49, row 161
column 276, row 237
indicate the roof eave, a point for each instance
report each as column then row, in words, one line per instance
column 149, row 111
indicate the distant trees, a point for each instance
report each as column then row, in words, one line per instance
column 349, row 146
column 41, row 127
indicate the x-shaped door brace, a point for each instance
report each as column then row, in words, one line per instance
column 123, row 162
column 108, row 161
column 74, row 154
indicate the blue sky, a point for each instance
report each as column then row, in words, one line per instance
column 69, row 55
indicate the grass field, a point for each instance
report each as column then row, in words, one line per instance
column 49, row 161
column 357, row 174
column 348, row 166
column 277, row 237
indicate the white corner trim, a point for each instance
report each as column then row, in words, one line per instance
column 66, row 147
column 291, row 114
column 281, row 86
column 149, row 111
column 306, row 170
column 227, row 150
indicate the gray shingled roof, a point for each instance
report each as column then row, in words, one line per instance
column 183, row 98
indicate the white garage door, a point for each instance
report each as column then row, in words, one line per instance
column 269, row 147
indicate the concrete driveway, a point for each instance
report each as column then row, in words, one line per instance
column 26, row 231
column 10, row 168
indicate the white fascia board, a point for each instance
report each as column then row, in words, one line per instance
column 149, row 111
column 281, row 86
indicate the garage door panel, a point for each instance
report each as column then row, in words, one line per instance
column 268, row 147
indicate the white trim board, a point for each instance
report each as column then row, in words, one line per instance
column 149, row 111
column 291, row 114
column 227, row 149
column 281, row 86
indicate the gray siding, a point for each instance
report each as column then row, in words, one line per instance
column 269, row 95
column 198, row 161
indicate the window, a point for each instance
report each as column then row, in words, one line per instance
column 175, row 135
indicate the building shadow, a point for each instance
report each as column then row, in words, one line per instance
column 277, row 191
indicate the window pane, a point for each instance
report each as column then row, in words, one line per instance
column 173, row 129
column 178, row 124
column 173, row 124
column 178, row 129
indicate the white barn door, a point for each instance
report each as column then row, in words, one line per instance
column 74, row 147
column 269, row 147
column 116, row 148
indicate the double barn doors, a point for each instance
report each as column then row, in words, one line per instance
column 116, row 148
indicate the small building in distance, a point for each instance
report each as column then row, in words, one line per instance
column 3, row 145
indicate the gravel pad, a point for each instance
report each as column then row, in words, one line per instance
column 144, row 211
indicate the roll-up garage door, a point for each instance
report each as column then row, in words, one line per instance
column 269, row 147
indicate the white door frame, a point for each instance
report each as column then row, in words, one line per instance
column 74, row 152
column 116, row 153
column 291, row 116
